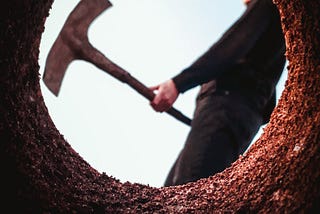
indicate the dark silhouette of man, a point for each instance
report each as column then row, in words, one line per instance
column 238, row 76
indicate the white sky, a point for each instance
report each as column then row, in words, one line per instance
column 108, row 123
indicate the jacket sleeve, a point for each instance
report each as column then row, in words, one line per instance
column 233, row 46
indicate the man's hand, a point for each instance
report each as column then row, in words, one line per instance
column 166, row 95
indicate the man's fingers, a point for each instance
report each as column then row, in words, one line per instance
column 156, row 107
column 153, row 88
column 159, row 107
column 159, row 104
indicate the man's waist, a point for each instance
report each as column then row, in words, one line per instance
column 248, row 95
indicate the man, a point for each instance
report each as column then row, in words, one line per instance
column 238, row 76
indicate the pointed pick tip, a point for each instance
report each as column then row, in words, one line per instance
column 52, row 86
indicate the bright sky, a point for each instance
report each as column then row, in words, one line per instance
column 108, row 123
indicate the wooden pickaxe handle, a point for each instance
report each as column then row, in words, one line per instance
column 94, row 56
column 72, row 43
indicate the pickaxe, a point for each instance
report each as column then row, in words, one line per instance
column 72, row 43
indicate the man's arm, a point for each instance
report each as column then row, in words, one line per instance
column 231, row 48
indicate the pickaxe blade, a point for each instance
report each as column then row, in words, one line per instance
column 72, row 43
column 59, row 58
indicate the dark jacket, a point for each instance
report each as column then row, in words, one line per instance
column 248, row 59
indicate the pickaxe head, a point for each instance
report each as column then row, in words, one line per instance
column 70, row 42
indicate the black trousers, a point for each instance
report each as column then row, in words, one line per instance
column 223, row 127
